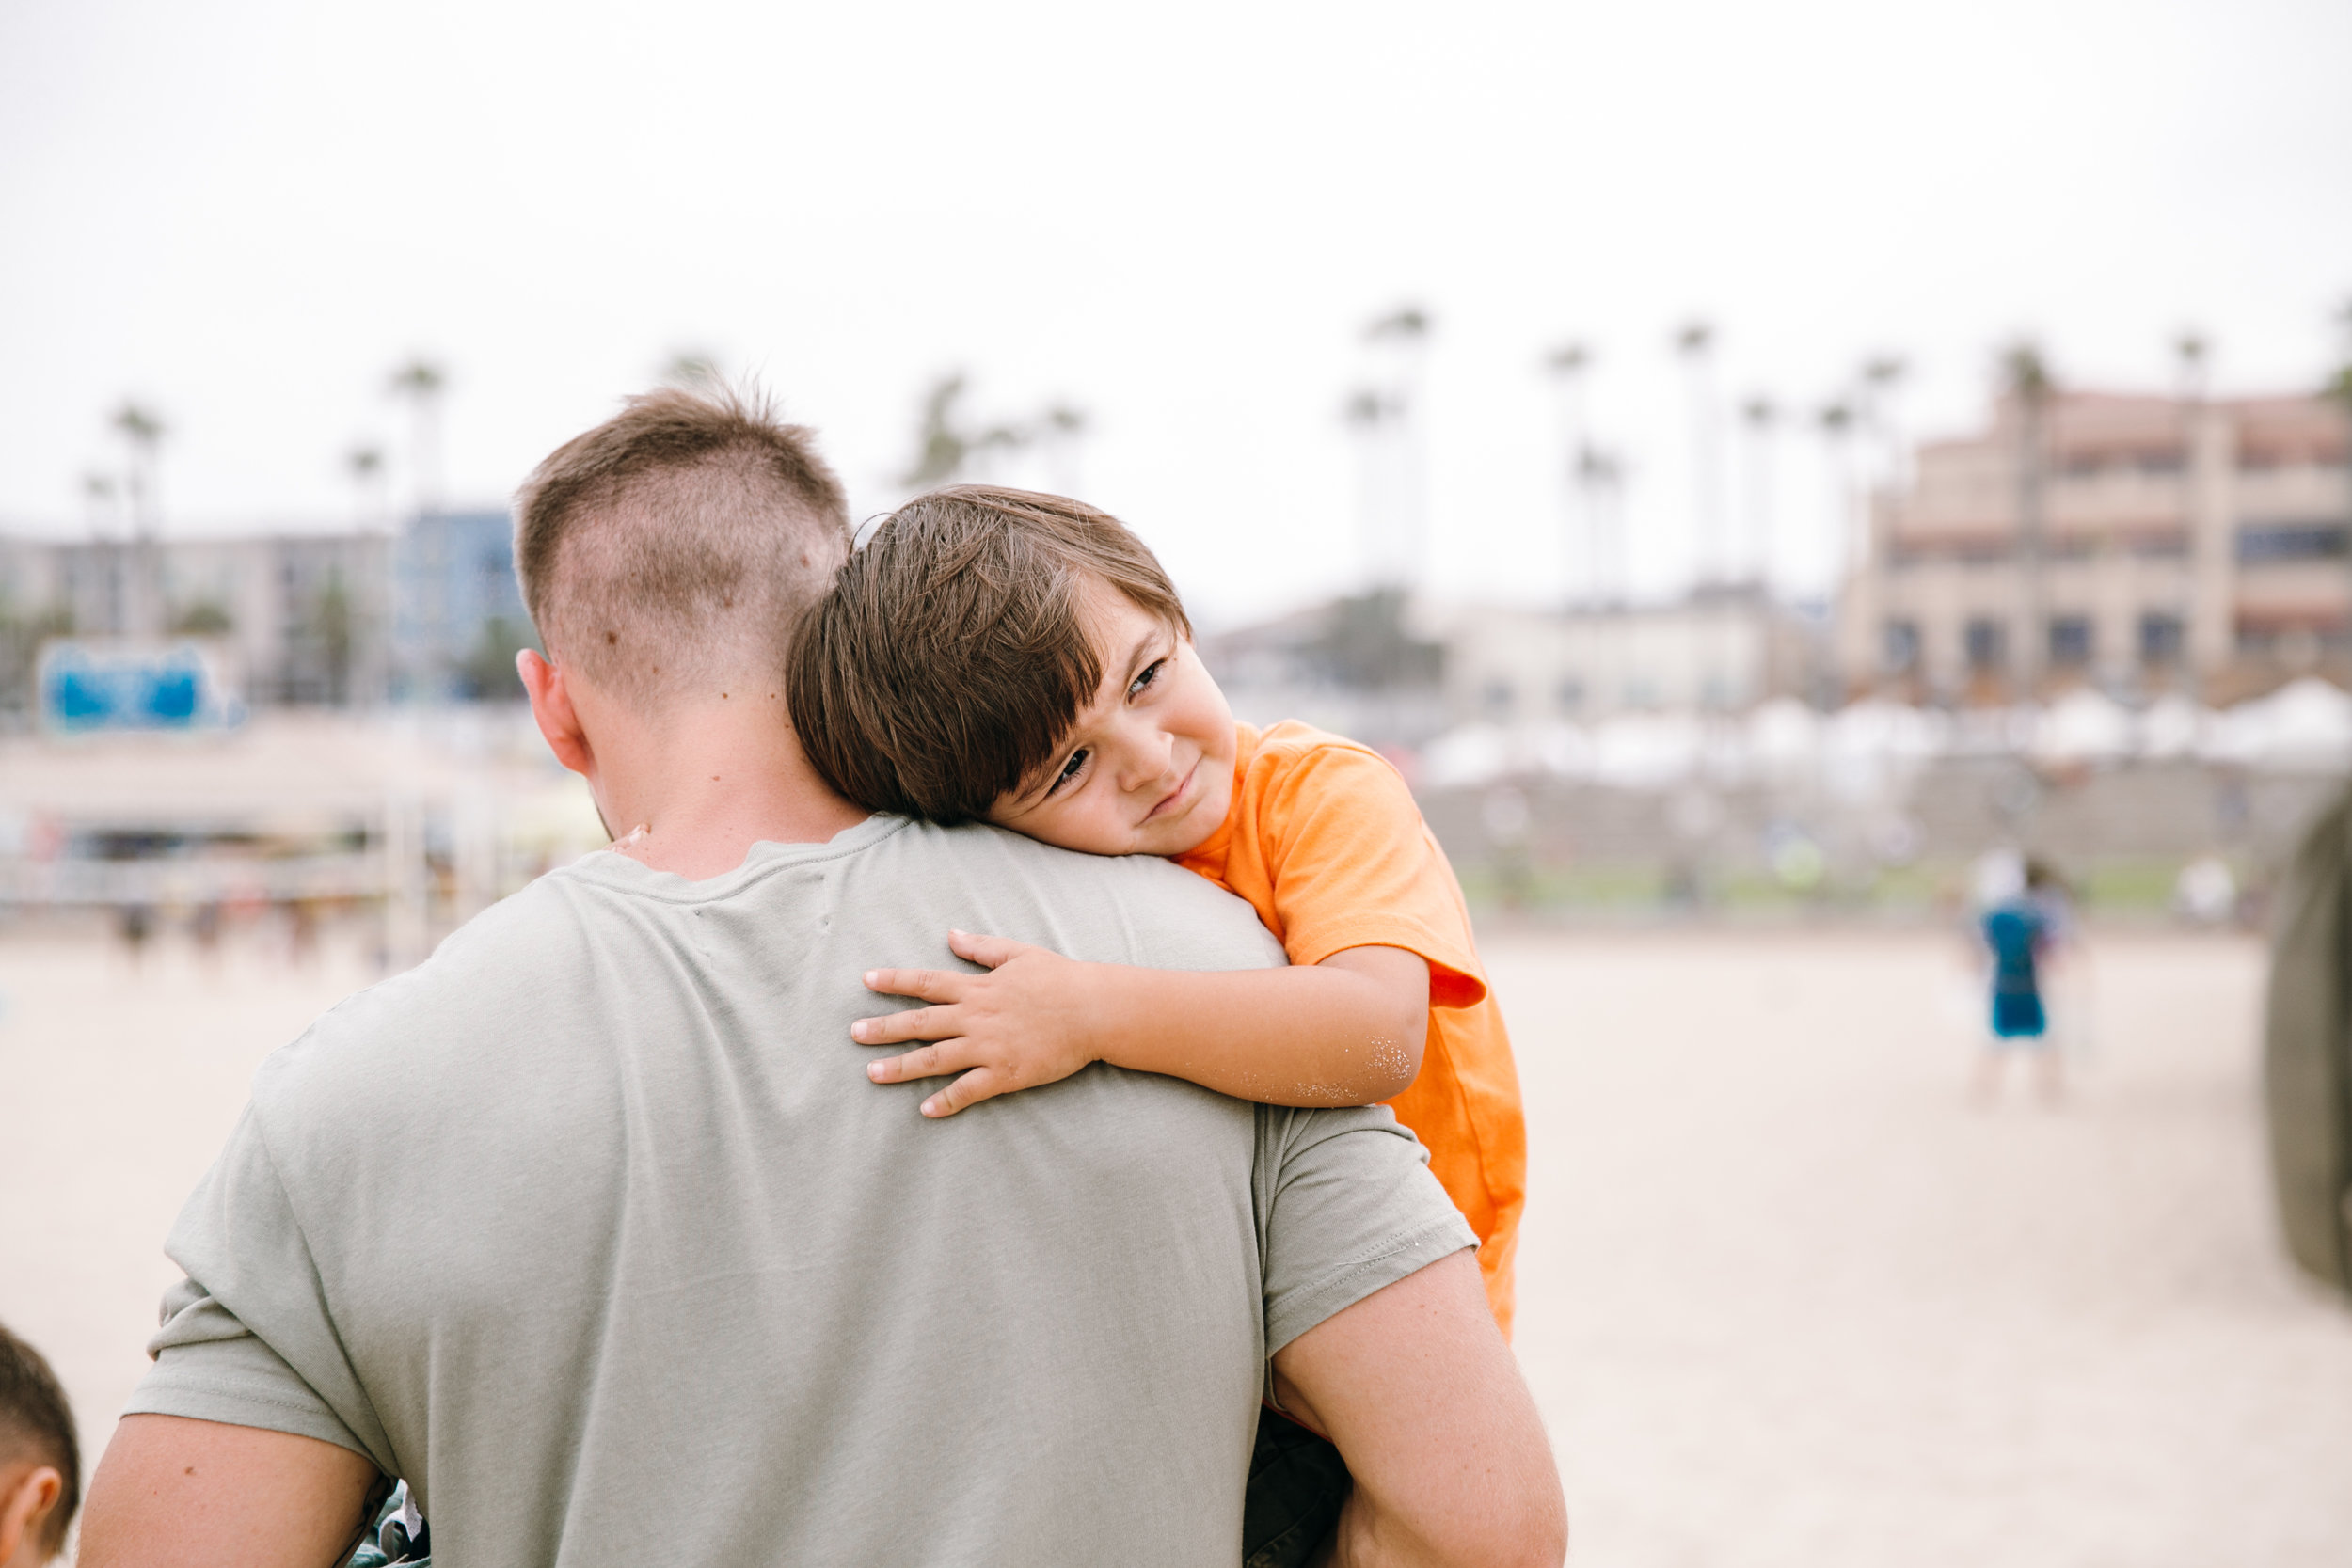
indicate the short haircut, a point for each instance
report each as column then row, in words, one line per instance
column 953, row 652
column 679, row 542
column 36, row 1423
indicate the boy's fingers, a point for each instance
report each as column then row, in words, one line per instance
column 991, row 951
column 924, row 984
column 915, row 1024
column 932, row 1061
column 969, row 1090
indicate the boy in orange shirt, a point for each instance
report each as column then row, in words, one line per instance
column 1020, row 658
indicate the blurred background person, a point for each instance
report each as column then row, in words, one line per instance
column 136, row 924
column 2022, row 932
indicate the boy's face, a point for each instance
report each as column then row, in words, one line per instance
column 1148, row 767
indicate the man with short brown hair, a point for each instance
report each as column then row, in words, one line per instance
column 680, row 538
column 635, row 1265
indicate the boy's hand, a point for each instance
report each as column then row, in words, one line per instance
column 1023, row 1024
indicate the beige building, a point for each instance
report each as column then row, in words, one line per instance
column 345, row 619
column 1719, row 650
column 2198, row 545
column 304, row 615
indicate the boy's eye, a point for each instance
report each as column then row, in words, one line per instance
column 1070, row 771
column 1151, row 673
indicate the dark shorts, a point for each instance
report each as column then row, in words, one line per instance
column 2018, row 1019
column 1296, row 1484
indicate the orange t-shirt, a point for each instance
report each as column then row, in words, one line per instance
column 1325, row 840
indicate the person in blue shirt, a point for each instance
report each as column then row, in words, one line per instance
column 2022, row 932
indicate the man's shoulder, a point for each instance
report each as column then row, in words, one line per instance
column 981, row 851
column 1128, row 908
column 494, row 974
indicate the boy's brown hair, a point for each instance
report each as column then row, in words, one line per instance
column 679, row 542
column 953, row 651
column 36, row 1424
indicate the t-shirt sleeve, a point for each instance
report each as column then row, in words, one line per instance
column 1346, row 1206
column 245, row 1337
column 1353, row 865
column 210, row 1367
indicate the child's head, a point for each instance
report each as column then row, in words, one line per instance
column 1018, row 658
column 40, row 1463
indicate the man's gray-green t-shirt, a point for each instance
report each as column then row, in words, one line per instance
column 593, row 1229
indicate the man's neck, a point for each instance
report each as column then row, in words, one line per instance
column 693, row 794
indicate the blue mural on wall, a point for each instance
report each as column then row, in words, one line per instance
column 105, row 684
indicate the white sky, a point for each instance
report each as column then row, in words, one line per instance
column 1178, row 217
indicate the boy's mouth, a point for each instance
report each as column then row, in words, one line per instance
column 1169, row 801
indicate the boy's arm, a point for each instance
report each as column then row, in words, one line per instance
column 1348, row 1031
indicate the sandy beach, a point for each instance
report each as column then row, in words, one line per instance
column 1788, row 1296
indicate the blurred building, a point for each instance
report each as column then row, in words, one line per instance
column 1717, row 650
column 457, row 608
column 302, row 616
column 1397, row 673
column 2183, row 544
column 1365, row 666
column 347, row 618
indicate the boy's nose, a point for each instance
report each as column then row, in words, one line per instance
column 1148, row 760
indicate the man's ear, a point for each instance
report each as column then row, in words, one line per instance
column 552, row 705
column 23, row 1512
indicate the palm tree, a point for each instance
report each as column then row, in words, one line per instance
column 2027, row 378
column 1405, row 331
column 331, row 625
column 2192, row 356
column 423, row 383
column 1600, row 475
column 2338, row 387
column 946, row 449
column 1006, row 435
column 1761, row 416
column 1835, row 422
column 1882, row 376
column 2192, row 353
column 1695, row 343
column 1370, row 413
column 142, row 432
column 1406, row 320
column 1567, row 366
column 940, row 446
column 693, row 369
column 365, row 464
column 98, row 493
column 1062, row 431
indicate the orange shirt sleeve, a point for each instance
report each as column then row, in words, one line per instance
column 1352, row 864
